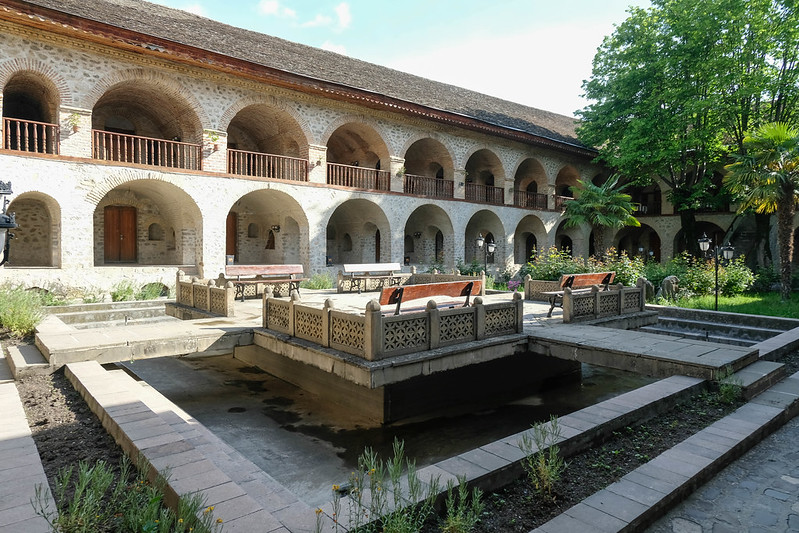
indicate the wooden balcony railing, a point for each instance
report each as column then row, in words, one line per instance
column 30, row 136
column 424, row 186
column 266, row 165
column 486, row 194
column 358, row 177
column 145, row 150
column 560, row 200
column 530, row 200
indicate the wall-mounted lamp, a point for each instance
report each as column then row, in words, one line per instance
column 7, row 222
column 276, row 228
column 418, row 234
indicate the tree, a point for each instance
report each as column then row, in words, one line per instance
column 766, row 177
column 600, row 206
column 676, row 85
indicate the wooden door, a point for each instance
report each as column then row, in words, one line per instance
column 231, row 226
column 120, row 234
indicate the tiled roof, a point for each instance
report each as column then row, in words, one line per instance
column 265, row 50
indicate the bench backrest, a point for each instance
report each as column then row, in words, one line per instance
column 355, row 268
column 586, row 280
column 392, row 295
column 262, row 270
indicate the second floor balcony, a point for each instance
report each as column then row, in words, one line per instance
column 358, row 177
column 30, row 136
column 485, row 194
column 126, row 148
column 431, row 187
column 266, row 165
column 530, row 200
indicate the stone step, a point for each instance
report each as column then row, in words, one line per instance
column 720, row 339
column 105, row 306
column 113, row 315
column 130, row 321
column 26, row 360
column 746, row 332
column 758, row 377
column 721, row 317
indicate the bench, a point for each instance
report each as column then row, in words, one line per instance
column 359, row 273
column 265, row 274
column 578, row 283
column 396, row 295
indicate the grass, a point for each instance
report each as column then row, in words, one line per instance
column 21, row 310
column 767, row 304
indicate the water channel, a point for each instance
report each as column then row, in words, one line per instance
column 308, row 445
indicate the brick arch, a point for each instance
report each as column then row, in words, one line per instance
column 169, row 86
column 277, row 103
column 123, row 177
column 52, row 78
column 37, row 239
column 356, row 119
column 427, row 135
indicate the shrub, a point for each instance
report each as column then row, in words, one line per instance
column 551, row 264
column 472, row 269
column 542, row 461
column 735, row 277
column 151, row 291
column 21, row 311
column 123, row 291
column 318, row 282
column 765, row 278
column 628, row 269
column 463, row 513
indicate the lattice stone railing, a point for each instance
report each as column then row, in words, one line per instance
column 373, row 336
column 204, row 295
column 595, row 303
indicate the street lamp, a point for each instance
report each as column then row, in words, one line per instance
column 489, row 249
column 725, row 251
column 7, row 222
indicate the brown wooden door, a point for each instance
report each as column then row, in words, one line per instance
column 230, row 233
column 120, row 234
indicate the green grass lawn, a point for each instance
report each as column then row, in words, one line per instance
column 768, row 304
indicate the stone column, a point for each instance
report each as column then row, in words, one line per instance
column 459, row 187
column 215, row 151
column 317, row 163
column 76, row 132
column 397, row 169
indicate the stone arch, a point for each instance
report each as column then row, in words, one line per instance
column 37, row 240
column 352, row 226
column 169, row 108
column 485, row 177
column 530, row 184
column 567, row 177
column 643, row 241
column 424, row 151
column 422, row 228
column 703, row 227
column 280, row 109
column 359, row 144
column 152, row 201
column 283, row 228
column 52, row 79
column 529, row 229
column 489, row 225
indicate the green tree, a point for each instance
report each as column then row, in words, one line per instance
column 766, row 178
column 677, row 84
column 600, row 206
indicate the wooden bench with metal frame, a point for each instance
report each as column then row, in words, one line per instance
column 578, row 283
column 360, row 273
column 265, row 274
column 396, row 295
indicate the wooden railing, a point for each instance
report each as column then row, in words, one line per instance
column 560, row 200
column 486, row 194
column 266, row 165
column 30, row 136
column 145, row 150
column 358, row 177
column 424, row 186
column 531, row 200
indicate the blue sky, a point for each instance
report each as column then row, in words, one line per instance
column 535, row 52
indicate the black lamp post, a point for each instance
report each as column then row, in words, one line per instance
column 7, row 222
column 489, row 249
column 725, row 251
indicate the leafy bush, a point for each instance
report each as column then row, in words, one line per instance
column 472, row 269
column 123, row 292
column 765, row 278
column 318, row 282
column 542, row 461
column 628, row 269
column 21, row 311
column 463, row 513
column 551, row 264
column 151, row 291
column 735, row 277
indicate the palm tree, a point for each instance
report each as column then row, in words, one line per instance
column 600, row 206
column 766, row 177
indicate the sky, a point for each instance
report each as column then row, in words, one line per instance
column 534, row 52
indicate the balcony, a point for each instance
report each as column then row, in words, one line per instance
column 266, row 165
column 30, row 136
column 561, row 200
column 125, row 148
column 431, row 187
column 358, row 177
column 530, row 200
column 485, row 194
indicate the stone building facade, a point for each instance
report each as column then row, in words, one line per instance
column 137, row 148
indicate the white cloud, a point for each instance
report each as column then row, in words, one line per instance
column 318, row 21
column 331, row 47
column 197, row 9
column 273, row 8
column 344, row 16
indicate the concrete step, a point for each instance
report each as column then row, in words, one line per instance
column 131, row 321
column 720, row 339
column 758, row 377
column 105, row 306
column 26, row 360
column 744, row 332
column 720, row 317
column 118, row 314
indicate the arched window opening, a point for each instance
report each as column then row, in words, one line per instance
column 270, row 240
column 377, row 246
column 253, row 230
column 439, row 247
column 408, row 244
column 28, row 115
column 530, row 246
column 346, row 245
column 155, row 232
